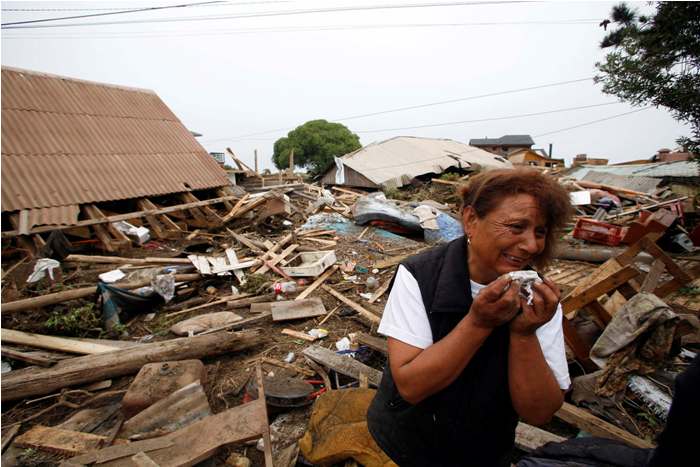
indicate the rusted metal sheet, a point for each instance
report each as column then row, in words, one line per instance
column 68, row 142
column 59, row 215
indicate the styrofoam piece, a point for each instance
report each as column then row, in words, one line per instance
column 309, row 264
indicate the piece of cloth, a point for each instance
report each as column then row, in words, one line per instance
column 337, row 430
column 587, row 452
column 637, row 340
column 472, row 421
column 203, row 323
column 41, row 267
column 405, row 319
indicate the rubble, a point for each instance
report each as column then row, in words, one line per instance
column 292, row 269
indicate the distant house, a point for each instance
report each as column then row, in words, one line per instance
column 666, row 155
column 583, row 159
column 68, row 143
column 534, row 157
column 503, row 145
column 396, row 161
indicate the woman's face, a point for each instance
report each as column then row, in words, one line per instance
column 507, row 239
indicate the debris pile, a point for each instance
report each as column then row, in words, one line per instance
column 233, row 327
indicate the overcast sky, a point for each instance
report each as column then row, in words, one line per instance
column 235, row 78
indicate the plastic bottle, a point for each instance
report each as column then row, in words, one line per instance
column 285, row 287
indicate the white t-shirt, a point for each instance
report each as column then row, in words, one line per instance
column 406, row 319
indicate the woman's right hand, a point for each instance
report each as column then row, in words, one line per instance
column 496, row 304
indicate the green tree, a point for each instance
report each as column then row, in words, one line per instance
column 655, row 60
column 314, row 144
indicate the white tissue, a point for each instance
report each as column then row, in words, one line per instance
column 526, row 279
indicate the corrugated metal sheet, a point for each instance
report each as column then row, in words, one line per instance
column 394, row 161
column 655, row 169
column 60, row 215
column 636, row 183
column 67, row 142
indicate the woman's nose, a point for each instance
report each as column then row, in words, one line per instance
column 529, row 242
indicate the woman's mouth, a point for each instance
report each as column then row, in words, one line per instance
column 515, row 260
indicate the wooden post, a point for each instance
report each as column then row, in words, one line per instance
column 255, row 156
column 291, row 161
column 121, row 362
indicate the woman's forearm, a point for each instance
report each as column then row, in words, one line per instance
column 533, row 389
column 435, row 367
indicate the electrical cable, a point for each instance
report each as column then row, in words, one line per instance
column 275, row 13
column 138, row 10
column 592, row 122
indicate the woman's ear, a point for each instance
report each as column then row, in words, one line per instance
column 468, row 220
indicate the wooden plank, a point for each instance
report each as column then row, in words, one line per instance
column 267, row 439
column 375, row 343
column 147, row 205
column 66, row 295
column 243, row 240
column 592, row 292
column 209, row 213
column 298, row 335
column 289, row 366
column 119, row 260
column 26, row 357
column 343, row 364
column 276, row 260
column 121, row 217
column 56, row 440
column 528, row 437
column 86, row 369
column 87, row 420
column 673, row 269
column 653, row 276
column 233, row 261
column 119, row 451
column 374, row 319
column 237, row 267
column 142, row 460
column 584, row 420
column 380, row 291
column 319, row 280
column 53, row 343
column 9, row 434
column 600, row 312
column 297, row 309
column 24, row 222
column 119, row 238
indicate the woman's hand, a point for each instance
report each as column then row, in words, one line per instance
column 496, row 304
column 544, row 304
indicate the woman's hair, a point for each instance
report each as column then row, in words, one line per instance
column 485, row 191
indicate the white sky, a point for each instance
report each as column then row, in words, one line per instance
column 230, row 77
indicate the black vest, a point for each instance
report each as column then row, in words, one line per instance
column 472, row 421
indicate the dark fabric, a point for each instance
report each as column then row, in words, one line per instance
column 677, row 443
column 472, row 421
column 120, row 304
column 57, row 246
column 589, row 451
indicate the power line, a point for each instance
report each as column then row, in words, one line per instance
column 92, row 15
column 592, row 122
column 419, row 106
column 490, row 119
column 38, row 10
column 276, row 13
column 347, row 27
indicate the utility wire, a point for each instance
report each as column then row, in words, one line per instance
column 592, row 122
column 273, row 29
column 92, row 15
column 274, row 13
column 412, row 107
column 224, row 3
column 490, row 119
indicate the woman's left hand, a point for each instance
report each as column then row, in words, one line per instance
column 544, row 304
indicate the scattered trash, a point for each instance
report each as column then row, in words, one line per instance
column 318, row 333
column 112, row 276
column 43, row 266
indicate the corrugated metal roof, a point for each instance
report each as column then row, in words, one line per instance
column 655, row 169
column 394, row 161
column 60, row 215
column 506, row 140
column 637, row 183
column 67, row 142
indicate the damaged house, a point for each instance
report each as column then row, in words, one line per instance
column 395, row 162
column 75, row 151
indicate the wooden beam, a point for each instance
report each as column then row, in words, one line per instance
column 58, row 441
column 374, row 319
column 375, row 343
column 653, row 276
column 121, row 217
column 277, row 259
column 26, row 357
column 86, row 369
column 119, row 260
column 592, row 292
column 66, row 295
column 61, row 344
column 380, row 291
column 343, row 364
column 528, row 437
column 584, row 420
column 319, row 280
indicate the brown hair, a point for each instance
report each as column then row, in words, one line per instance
column 485, row 191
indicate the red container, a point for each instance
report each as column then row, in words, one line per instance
column 598, row 232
